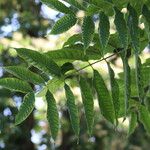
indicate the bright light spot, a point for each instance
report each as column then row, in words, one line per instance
column 7, row 112
column 39, row 103
column 36, row 137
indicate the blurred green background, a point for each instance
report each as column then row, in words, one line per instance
column 25, row 23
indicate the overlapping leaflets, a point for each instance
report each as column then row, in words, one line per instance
column 52, row 114
column 64, row 24
column 88, row 103
column 73, row 110
column 15, row 85
column 104, row 99
column 26, row 108
column 56, row 4
column 88, row 28
column 40, row 61
column 25, row 74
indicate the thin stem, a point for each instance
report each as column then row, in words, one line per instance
column 91, row 64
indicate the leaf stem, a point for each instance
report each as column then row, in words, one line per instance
column 92, row 64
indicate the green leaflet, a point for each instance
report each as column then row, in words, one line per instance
column 39, row 60
column 52, row 85
column 76, row 4
column 139, row 80
column 25, row 74
column 55, row 4
column 26, row 108
column 15, row 85
column 134, row 32
column 121, row 27
column 104, row 27
column 132, row 123
column 88, row 28
column 104, row 99
column 73, row 40
column 91, row 10
column 114, row 90
column 73, row 110
column 144, row 117
column 146, row 14
column 55, row 84
column 52, row 114
column 64, row 24
column 127, row 80
column 88, row 103
column 133, row 27
column 67, row 67
column 72, row 54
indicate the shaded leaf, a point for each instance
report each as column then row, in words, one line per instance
column 26, row 108
column 104, row 27
column 15, row 85
column 144, row 117
column 114, row 91
column 132, row 123
column 52, row 114
column 73, row 110
column 104, row 99
column 133, row 27
column 121, row 27
column 88, row 103
column 88, row 28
